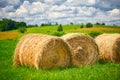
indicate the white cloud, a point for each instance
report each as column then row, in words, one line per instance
column 38, row 7
column 61, row 11
column 115, row 12
column 59, row 8
column 87, row 11
column 56, row 15
column 21, row 10
column 28, row 9
column 92, row 1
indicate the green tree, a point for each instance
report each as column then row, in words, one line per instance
column 56, row 23
column 82, row 25
column 97, row 23
column 89, row 25
column 32, row 25
column 8, row 24
column 60, row 28
column 22, row 29
column 71, row 23
column 103, row 24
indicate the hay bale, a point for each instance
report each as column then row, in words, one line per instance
column 83, row 48
column 109, row 47
column 42, row 52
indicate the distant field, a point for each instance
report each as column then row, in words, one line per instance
column 73, row 28
column 99, row 71
column 8, row 35
column 52, row 29
column 103, row 30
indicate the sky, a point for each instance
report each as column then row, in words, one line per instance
column 61, row 11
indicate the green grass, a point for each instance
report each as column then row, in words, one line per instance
column 95, row 31
column 100, row 71
column 73, row 28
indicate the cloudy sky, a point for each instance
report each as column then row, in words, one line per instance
column 61, row 11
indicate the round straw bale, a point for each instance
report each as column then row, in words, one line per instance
column 109, row 47
column 84, row 50
column 42, row 52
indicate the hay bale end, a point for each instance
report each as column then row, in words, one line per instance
column 84, row 50
column 109, row 47
column 42, row 52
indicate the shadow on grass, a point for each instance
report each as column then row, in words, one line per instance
column 103, row 62
column 100, row 62
column 55, row 69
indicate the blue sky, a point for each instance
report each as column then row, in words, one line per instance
column 61, row 11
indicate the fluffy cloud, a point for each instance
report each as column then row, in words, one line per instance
column 115, row 12
column 29, row 10
column 61, row 11
column 92, row 1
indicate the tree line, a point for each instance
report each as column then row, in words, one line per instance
column 8, row 24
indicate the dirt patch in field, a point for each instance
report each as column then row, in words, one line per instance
column 8, row 35
column 97, row 29
column 106, row 29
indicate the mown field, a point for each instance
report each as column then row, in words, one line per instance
column 99, row 71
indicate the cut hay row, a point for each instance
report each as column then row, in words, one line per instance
column 83, row 48
column 42, row 52
column 109, row 47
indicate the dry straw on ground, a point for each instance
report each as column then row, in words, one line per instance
column 42, row 52
column 83, row 47
column 109, row 47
